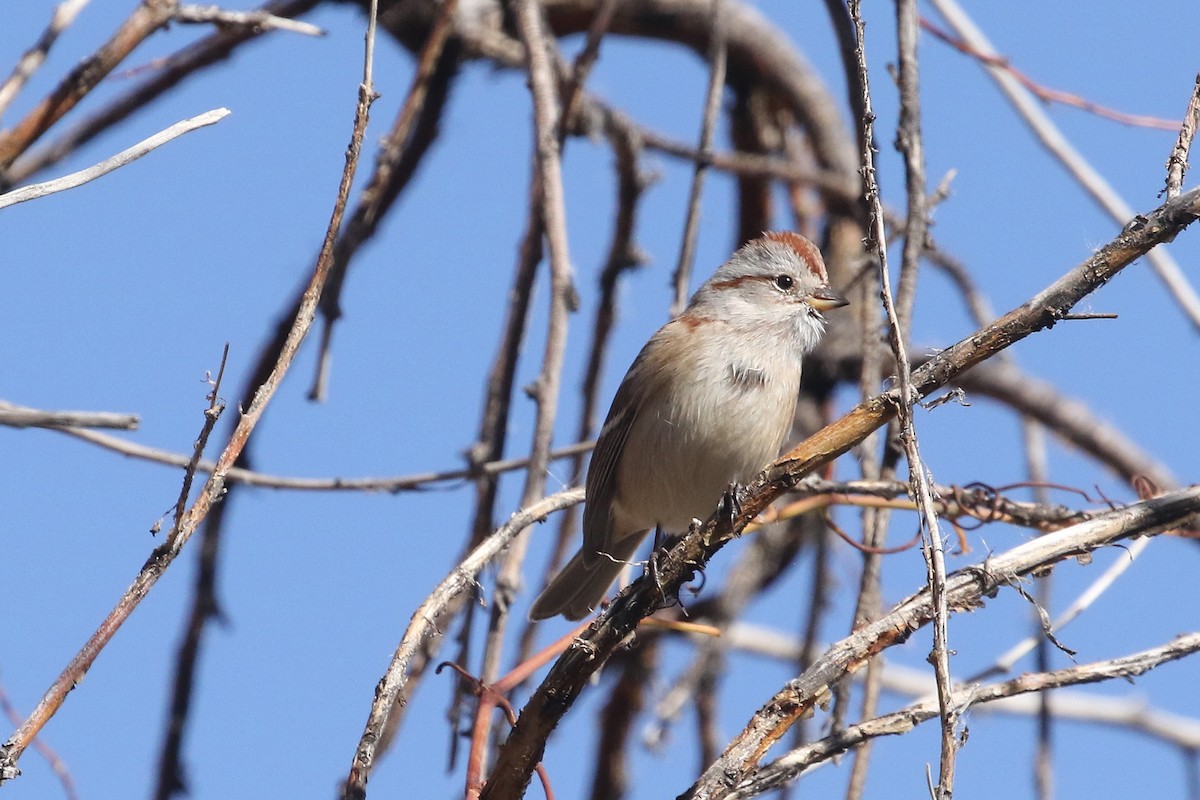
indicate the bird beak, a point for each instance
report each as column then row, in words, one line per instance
column 826, row 299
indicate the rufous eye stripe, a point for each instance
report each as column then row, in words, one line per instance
column 733, row 283
column 805, row 250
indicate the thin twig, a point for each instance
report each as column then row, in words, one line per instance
column 911, row 145
column 399, row 483
column 751, row 164
column 1129, row 712
column 170, row 774
column 15, row 416
column 400, row 152
column 46, row 751
column 127, row 156
column 492, row 695
column 547, row 188
column 965, row 588
column 712, row 104
column 1177, row 164
column 210, row 50
column 790, row 766
column 1044, row 93
column 165, row 554
column 148, row 17
column 918, row 477
column 916, row 225
column 572, row 92
column 1068, row 418
column 424, row 625
column 259, row 21
column 215, row 406
column 1076, row 165
column 1037, row 469
column 572, row 672
column 64, row 14
column 1103, row 582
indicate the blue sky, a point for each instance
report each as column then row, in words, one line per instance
column 120, row 295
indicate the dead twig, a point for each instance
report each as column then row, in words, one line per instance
column 15, row 416
column 164, row 555
column 64, row 14
column 258, row 21
column 793, row 764
column 1077, row 166
column 424, row 625
column 1178, row 162
column 712, row 102
column 1044, row 93
column 127, row 156
column 571, row 673
column 919, row 479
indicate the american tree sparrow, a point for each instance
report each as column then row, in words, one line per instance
column 706, row 403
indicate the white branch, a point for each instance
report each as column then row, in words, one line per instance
column 38, row 190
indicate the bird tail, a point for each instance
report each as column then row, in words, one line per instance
column 579, row 587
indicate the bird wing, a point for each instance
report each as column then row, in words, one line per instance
column 602, row 473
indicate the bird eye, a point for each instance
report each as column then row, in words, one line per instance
column 784, row 282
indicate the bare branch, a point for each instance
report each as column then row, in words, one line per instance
column 1076, row 165
column 400, row 152
column 148, row 17
column 52, row 758
column 1086, row 598
column 165, row 554
column 15, row 416
column 258, row 21
column 796, row 762
column 1177, row 163
column 712, row 103
column 965, row 589
column 571, row 673
column 918, row 477
column 399, row 483
column 390, row 690
column 548, row 204
column 64, row 14
column 1045, row 93
column 1130, row 711
column 38, row 190
column 173, row 70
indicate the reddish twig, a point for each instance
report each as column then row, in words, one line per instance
column 392, row 688
column 493, row 695
column 1044, row 93
column 864, row 548
column 47, row 752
